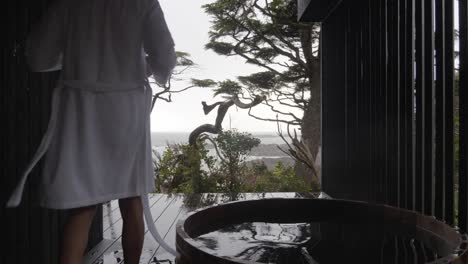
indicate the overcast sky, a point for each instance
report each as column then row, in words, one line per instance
column 189, row 26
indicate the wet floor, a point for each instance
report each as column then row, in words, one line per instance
column 166, row 211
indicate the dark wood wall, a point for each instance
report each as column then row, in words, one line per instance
column 29, row 234
column 463, row 130
column 388, row 130
column 316, row 10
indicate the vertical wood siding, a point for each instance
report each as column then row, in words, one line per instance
column 30, row 234
column 388, row 131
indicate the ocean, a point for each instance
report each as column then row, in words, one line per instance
column 161, row 139
column 267, row 151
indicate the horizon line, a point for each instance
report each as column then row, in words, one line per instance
column 178, row 131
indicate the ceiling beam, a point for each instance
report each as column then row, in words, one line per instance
column 315, row 10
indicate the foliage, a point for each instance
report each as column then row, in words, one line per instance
column 180, row 169
column 267, row 34
column 281, row 179
column 183, row 59
column 204, row 83
column 456, row 133
column 234, row 147
column 186, row 169
column 227, row 87
column 456, row 121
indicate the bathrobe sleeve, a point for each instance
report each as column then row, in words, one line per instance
column 158, row 44
column 44, row 45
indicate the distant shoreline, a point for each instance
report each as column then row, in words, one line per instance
column 267, row 151
column 159, row 139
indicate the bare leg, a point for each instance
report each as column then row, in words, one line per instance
column 133, row 229
column 75, row 236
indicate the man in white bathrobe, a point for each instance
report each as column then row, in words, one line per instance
column 97, row 147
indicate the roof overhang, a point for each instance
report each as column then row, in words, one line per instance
column 315, row 10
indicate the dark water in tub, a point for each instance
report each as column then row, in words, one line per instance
column 324, row 243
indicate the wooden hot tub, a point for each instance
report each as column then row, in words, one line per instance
column 307, row 230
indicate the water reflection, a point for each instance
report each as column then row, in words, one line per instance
column 316, row 243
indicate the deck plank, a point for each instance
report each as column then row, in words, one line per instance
column 160, row 216
column 163, row 225
column 309, row 195
column 277, row 195
column 167, row 210
column 114, row 231
column 290, row 195
column 111, row 212
column 161, row 254
column 254, row 196
column 209, row 199
column 112, row 215
column 93, row 255
column 111, row 253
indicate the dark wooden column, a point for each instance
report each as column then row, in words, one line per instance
column 388, row 97
column 463, row 173
column 333, row 103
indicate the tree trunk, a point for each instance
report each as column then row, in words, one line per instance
column 310, row 127
column 311, row 120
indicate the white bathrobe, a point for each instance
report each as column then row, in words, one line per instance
column 97, row 147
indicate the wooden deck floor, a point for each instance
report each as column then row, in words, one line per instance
column 166, row 210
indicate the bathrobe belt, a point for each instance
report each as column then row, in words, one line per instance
column 94, row 87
